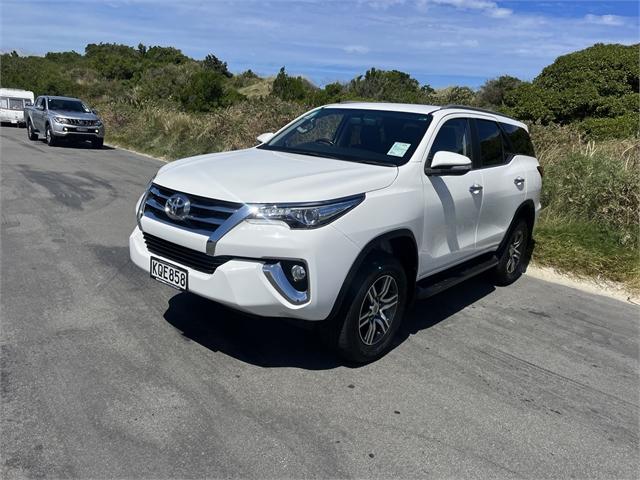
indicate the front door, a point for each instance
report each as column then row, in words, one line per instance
column 451, row 203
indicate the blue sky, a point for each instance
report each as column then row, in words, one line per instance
column 440, row 42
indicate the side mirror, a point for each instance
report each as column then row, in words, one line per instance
column 449, row 163
column 265, row 137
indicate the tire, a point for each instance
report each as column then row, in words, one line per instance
column 30, row 133
column 366, row 332
column 97, row 143
column 50, row 137
column 514, row 256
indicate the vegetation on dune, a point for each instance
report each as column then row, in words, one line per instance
column 582, row 111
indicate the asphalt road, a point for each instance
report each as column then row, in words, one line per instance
column 107, row 373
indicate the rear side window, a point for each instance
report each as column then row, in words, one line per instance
column 4, row 102
column 519, row 140
column 490, row 140
column 454, row 136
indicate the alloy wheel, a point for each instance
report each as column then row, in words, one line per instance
column 378, row 310
column 515, row 251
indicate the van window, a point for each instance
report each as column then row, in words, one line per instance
column 4, row 102
column 490, row 139
column 519, row 139
column 16, row 103
column 454, row 136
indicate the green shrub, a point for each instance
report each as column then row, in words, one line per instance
column 625, row 126
column 289, row 88
column 206, row 91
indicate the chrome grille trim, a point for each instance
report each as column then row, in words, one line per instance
column 213, row 218
column 82, row 123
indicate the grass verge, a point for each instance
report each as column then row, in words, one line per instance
column 586, row 249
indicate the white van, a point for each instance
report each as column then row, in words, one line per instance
column 12, row 103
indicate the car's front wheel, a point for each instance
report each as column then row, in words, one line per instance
column 97, row 143
column 30, row 133
column 376, row 306
column 50, row 138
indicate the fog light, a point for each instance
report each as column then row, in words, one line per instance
column 298, row 273
column 65, row 129
column 96, row 131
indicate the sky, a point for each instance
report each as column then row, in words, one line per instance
column 439, row 42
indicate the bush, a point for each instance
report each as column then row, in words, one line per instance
column 625, row 126
column 290, row 88
column 494, row 92
column 206, row 91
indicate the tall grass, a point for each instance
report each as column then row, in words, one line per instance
column 172, row 134
column 590, row 222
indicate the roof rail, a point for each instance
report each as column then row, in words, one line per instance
column 476, row 109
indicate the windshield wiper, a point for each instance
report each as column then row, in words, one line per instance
column 344, row 158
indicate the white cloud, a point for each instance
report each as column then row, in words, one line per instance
column 609, row 20
column 359, row 49
column 381, row 4
column 490, row 8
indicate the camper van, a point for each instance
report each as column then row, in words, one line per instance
column 12, row 103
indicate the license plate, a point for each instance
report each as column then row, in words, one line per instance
column 81, row 129
column 168, row 274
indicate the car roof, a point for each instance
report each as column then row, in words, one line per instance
column 57, row 97
column 426, row 109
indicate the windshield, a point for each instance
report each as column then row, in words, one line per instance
column 67, row 105
column 368, row 136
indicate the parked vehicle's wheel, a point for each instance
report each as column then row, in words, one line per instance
column 513, row 258
column 376, row 306
column 97, row 142
column 51, row 139
column 30, row 133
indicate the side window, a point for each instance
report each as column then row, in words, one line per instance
column 454, row 136
column 490, row 140
column 39, row 102
column 519, row 139
column 4, row 102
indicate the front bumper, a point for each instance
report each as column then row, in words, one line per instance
column 74, row 131
column 243, row 282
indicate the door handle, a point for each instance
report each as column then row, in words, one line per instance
column 475, row 188
column 519, row 181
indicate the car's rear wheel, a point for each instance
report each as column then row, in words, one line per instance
column 50, row 138
column 30, row 133
column 376, row 306
column 514, row 255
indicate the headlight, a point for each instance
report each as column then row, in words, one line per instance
column 98, row 123
column 304, row 215
column 61, row 120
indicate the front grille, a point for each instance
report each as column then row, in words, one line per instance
column 184, row 256
column 82, row 123
column 205, row 214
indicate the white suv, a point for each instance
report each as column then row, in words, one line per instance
column 346, row 215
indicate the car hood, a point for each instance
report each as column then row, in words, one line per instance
column 75, row 115
column 266, row 176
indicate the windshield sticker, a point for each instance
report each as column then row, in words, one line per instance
column 398, row 149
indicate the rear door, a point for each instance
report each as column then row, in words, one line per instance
column 504, row 182
column 451, row 202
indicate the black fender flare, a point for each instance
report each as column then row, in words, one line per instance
column 521, row 212
column 370, row 247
